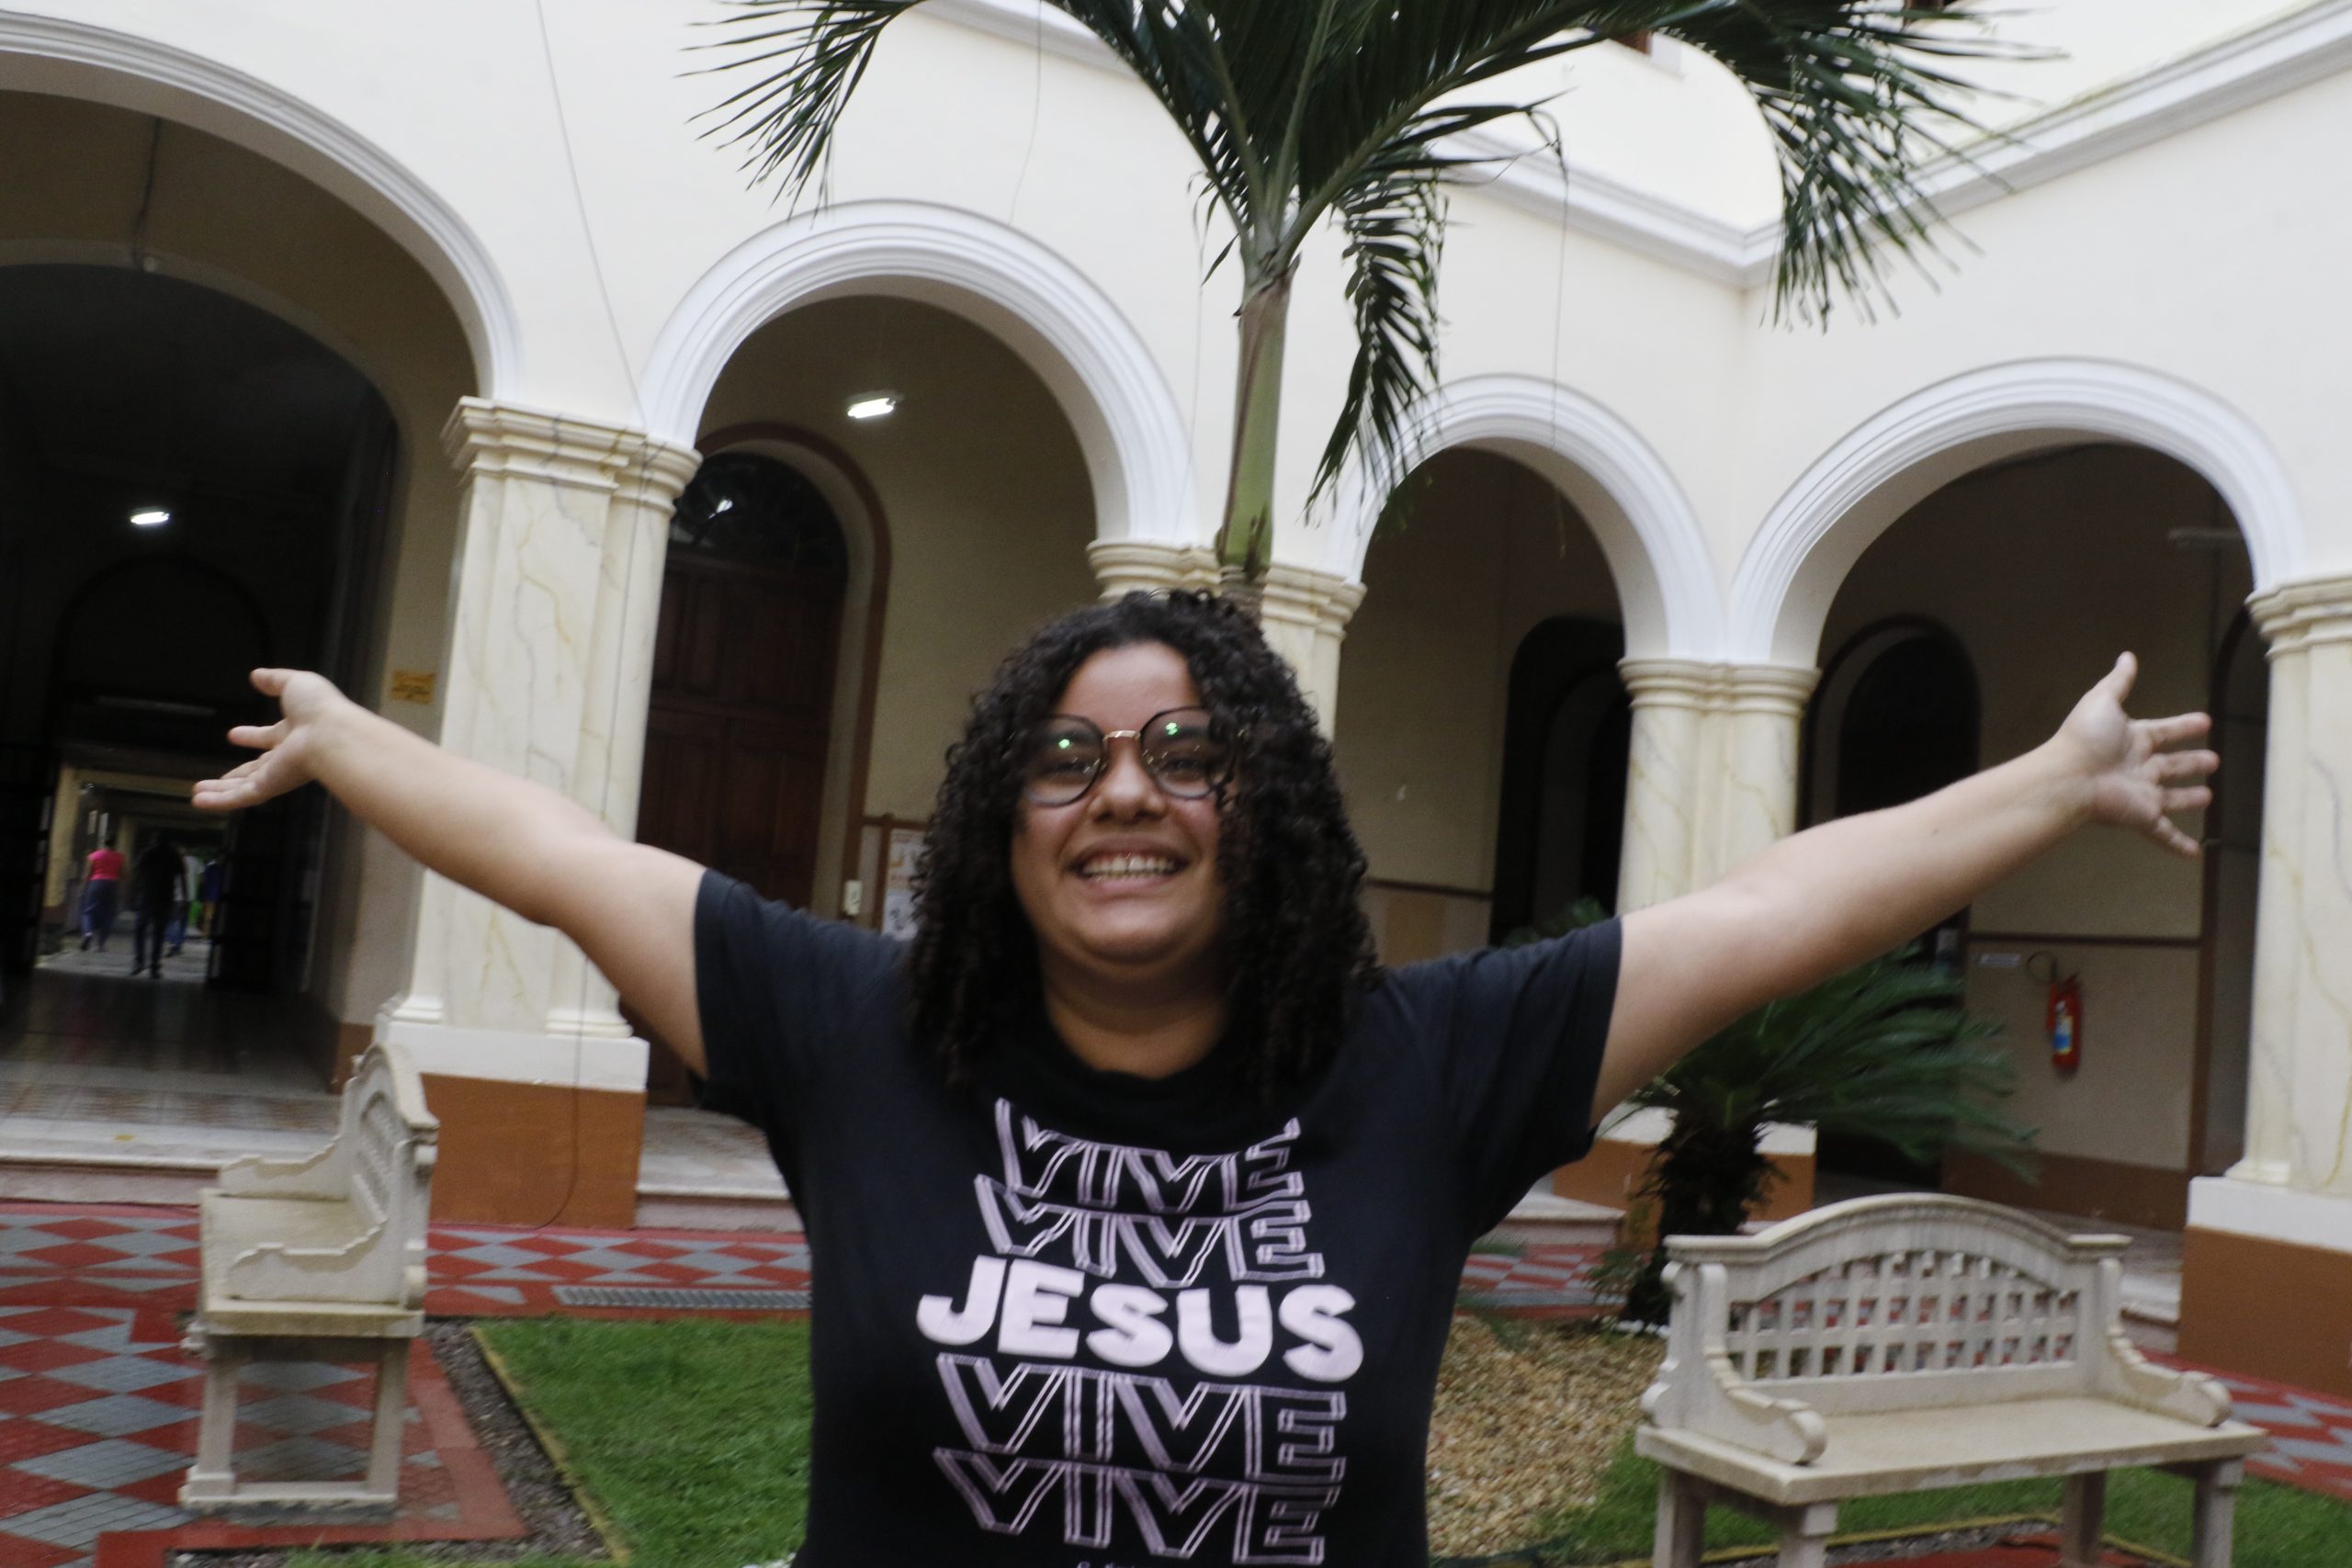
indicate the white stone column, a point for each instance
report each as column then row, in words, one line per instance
column 2299, row 1112
column 1305, row 615
column 1672, row 698
column 549, row 668
column 1751, row 789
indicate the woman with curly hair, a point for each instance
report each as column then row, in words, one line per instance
column 1138, row 1192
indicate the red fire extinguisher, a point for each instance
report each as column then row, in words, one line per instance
column 2064, row 1022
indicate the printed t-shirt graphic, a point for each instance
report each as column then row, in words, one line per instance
column 1188, row 1274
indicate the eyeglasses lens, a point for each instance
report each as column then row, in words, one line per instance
column 1180, row 749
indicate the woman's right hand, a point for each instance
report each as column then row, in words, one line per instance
column 308, row 701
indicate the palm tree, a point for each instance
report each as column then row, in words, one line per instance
column 1354, row 110
column 1882, row 1050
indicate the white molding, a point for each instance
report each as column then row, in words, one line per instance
column 1650, row 1125
column 2322, row 1219
column 1101, row 372
column 1786, row 576
column 564, row 1061
column 2230, row 73
column 69, row 59
column 1646, row 527
column 1028, row 24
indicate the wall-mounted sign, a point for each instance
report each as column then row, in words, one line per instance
column 412, row 686
column 899, row 860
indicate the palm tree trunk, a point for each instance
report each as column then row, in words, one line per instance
column 1245, row 541
column 1706, row 1180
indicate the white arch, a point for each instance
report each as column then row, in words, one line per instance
column 1107, row 383
column 74, row 60
column 1664, row 577
column 1791, row 569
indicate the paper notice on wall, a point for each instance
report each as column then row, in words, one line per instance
column 905, row 853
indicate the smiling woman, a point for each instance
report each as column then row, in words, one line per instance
column 1138, row 1192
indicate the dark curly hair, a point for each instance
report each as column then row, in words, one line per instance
column 1295, row 950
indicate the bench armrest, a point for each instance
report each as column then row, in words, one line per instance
column 278, row 1272
column 1698, row 1389
column 317, row 1175
column 2130, row 1378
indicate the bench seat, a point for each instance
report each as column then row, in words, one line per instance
column 1910, row 1450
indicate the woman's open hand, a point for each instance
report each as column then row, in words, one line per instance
column 2136, row 779
column 308, row 701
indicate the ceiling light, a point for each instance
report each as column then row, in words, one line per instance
column 873, row 405
column 150, row 518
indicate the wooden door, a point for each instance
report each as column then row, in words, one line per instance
column 735, row 734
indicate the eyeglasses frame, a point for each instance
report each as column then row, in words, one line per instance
column 1103, row 764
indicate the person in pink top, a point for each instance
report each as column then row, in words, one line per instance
column 101, row 895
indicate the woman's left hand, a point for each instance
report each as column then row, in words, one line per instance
column 2135, row 777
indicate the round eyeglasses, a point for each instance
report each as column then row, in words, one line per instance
column 1183, row 750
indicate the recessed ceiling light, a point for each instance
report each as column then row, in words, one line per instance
column 150, row 518
column 873, row 405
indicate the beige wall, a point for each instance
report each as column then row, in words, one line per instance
column 982, row 488
column 1424, row 679
column 2044, row 570
column 227, row 219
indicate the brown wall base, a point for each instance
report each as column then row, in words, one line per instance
column 522, row 1154
column 2094, row 1189
column 1611, row 1173
column 2270, row 1308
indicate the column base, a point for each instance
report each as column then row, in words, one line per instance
column 2265, row 1284
column 536, row 1129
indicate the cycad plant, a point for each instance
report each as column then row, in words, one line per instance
column 1882, row 1050
column 1354, row 111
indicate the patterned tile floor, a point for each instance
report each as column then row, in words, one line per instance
column 98, row 1404
column 98, row 1422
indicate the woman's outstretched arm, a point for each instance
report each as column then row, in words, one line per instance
column 546, row 858
column 1823, row 900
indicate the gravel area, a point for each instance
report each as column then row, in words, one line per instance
column 557, row 1526
column 1529, row 1413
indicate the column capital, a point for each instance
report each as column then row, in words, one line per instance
column 1781, row 689
column 486, row 437
column 1668, row 683
column 2304, row 613
column 1303, row 596
column 1125, row 566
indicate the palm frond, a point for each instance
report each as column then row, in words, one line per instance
column 1857, row 103
column 818, row 51
column 1881, row 1050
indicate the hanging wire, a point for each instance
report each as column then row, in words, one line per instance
column 638, row 461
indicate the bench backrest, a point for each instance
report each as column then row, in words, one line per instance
column 388, row 1138
column 1900, row 1303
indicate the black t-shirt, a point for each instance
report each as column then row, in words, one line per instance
column 1089, row 1320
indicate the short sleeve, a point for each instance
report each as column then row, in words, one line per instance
column 784, row 998
column 1524, row 1030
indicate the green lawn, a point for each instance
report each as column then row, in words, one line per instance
column 691, row 1439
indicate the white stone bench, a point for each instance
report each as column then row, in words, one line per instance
column 1900, row 1343
column 321, row 1259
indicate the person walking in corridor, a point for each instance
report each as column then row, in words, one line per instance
column 158, row 886
column 101, row 895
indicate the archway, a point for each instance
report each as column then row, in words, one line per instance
column 1895, row 717
column 194, row 327
column 1478, row 685
column 2041, row 567
column 1102, row 378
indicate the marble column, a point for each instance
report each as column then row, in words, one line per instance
column 1672, row 700
column 1751, row 790
column 2298, row 1113
column 2267, row 1259
column 557, row 599
column 1305, row 615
